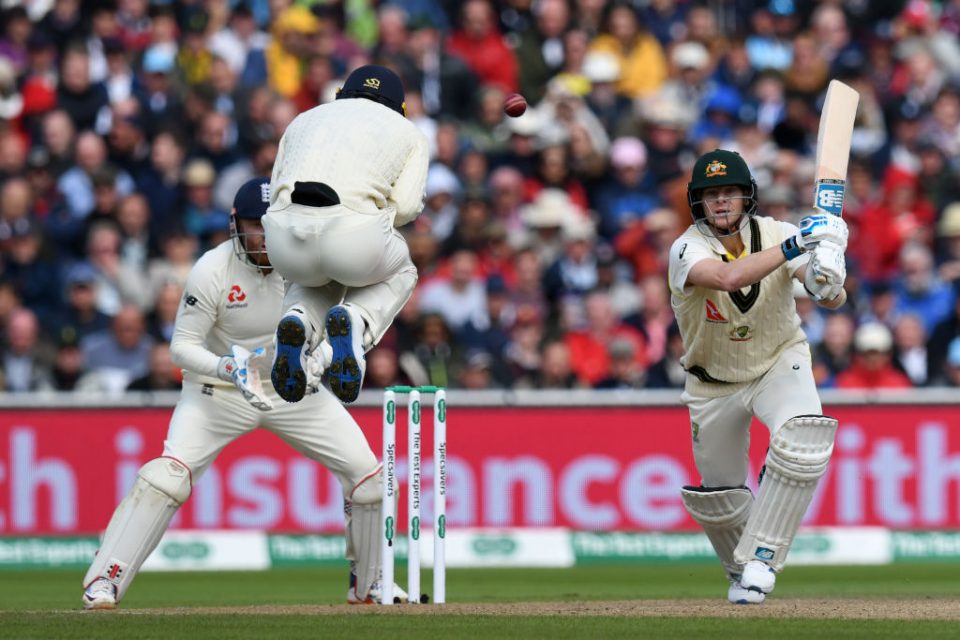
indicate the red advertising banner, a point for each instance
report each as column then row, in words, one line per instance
column 591, row 468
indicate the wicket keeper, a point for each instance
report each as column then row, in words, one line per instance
column 231, row 305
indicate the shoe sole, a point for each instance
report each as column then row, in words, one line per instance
column 343, row 374
column 757, row 597
column 288, row 377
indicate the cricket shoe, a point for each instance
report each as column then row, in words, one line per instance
column 758, row 576
column 738, row 594
column 289, row 373
column 344, row 374
column 376, row 589
column 100, row 594
column 373, row 595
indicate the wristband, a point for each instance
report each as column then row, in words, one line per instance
column 226, row 368
column 791, row 249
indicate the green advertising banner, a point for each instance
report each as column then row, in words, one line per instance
column 47, row 553
column 932, row 546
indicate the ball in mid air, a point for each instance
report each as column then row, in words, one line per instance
column 514, row 105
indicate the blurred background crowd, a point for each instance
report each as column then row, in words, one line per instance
column 126, row 127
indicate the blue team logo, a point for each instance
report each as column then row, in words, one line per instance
column 829, row 197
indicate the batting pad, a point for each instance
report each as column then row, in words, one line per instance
column 141, row 518
column 363, row 533
column 797, row 459
column 722, row 512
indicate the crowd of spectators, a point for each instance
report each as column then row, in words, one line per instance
column 126, row 127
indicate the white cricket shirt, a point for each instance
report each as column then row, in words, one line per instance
column 733, row 337
column 226, row 301
column 374, row 158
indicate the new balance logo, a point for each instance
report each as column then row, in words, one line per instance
column 713, row 314
column 764, row 553
column 830, row 197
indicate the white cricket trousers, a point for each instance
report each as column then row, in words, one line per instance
column 207, row 418
column 721, row 426
column 331, row 252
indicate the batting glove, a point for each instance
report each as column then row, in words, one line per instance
column 828, row 261
column 821, row 292
column 822, row 227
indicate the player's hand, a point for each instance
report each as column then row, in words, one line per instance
column 245, row 375
column 828, row 263
column 820, row 291
column 822, row 227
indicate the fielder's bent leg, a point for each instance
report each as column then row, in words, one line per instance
column 797, row 459
column 723, row 513
column 355, row 326
column 363, row 509
column 378, row 304
column 162, row 485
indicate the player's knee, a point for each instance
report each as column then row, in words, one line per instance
column 718, row 506
column 370, row 488
column 802, row 447
column 168, row 476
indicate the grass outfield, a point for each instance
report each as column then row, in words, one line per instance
column 678, row 601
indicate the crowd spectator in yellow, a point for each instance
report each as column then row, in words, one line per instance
column 194, row 58
column 288, row 49
column 643, row 67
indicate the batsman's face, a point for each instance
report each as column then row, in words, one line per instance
column 723, row 206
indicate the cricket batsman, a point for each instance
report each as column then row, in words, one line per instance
column 731, row 279
column 231, row 304
column 347, row 174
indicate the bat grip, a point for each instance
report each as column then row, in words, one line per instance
column 821, row 279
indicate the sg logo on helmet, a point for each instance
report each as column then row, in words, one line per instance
column 372, row 83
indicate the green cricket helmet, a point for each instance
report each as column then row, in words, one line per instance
column 719, row 168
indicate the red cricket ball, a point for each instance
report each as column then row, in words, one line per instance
column 514, row 105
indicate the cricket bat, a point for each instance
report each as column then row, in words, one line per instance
column 833, row 148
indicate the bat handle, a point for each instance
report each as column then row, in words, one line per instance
column 821, row 279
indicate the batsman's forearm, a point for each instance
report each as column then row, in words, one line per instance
column 750, row 269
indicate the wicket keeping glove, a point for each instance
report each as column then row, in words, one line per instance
column 240, row 370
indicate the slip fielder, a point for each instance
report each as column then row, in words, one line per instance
column 731, row 279
column 231, row 304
